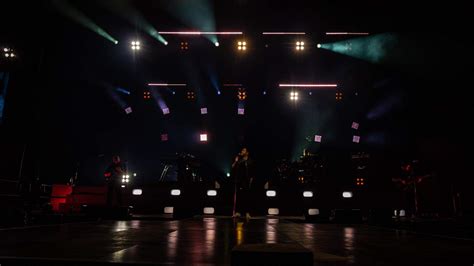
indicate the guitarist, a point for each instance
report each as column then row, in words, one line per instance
column 113, row 175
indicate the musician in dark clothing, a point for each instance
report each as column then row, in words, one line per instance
column 244, row 182
column 113, row 174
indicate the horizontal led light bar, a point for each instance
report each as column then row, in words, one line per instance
column 166, row 84
column 283, row 33
column 307, row 85
column 347, row 33
column 233, row 85
column 200, row 32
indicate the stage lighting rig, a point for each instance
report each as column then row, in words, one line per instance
column 241, row 94
column 242, row 45
column 8, row 53
column 190, row 95
column 184, row 46
column 294, row 96
column 360, row 181
column 299, row 46
column 146, row 95
column 135, row 45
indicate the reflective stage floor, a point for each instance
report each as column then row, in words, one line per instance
column 209, row 241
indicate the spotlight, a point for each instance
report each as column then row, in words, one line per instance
column 228, row 174
column 347, row 194
column 203, row 110
column 294, row 96
column 165, row 111
column 242, row 46
column 203, row 137
column 240, row 111
column 137, row 192
column 166, row 43
column 216, row 44
column 271, row 193
column 135, row 45
column 134, row 174
column 299, row 46
column 5, row 50
column 175, row 192
column 116, row 42
column 212, row 193
column 319, row 45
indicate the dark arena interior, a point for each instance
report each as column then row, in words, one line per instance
column 236, row 132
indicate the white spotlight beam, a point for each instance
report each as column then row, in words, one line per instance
column 307, row 85
column 166, row 84
column 347, row 33
column 282, row 33
column 200, row 32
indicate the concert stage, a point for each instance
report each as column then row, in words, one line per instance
column 210, row 241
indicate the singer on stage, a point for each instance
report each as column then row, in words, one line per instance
column 243, row 175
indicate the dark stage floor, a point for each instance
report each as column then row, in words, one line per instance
column 209, row 241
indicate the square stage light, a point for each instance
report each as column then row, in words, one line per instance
column 204, row 111
column 241, row 111
column 212, row 193
column 128, row 110
column 168, row 210
column 355, row 139
column 165, row 111
column 355, row 125
column 273, row 211
column 347, row 194
column 208, row 210
column 203, row 137
column 317, row 138
column 164, row 137
column 271, row 193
